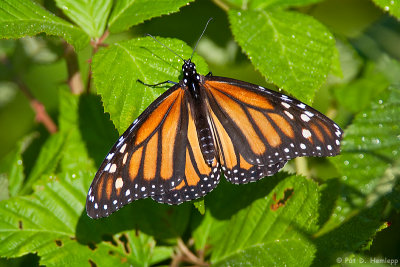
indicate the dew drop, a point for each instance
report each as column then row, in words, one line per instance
column 376, row 141
column 361, row 156
column 387, row 8
column 346, row 162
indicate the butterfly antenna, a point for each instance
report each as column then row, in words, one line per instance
column 165, row 46
column 194, row 49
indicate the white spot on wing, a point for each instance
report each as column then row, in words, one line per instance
column 301, row 105
column 113, row 168
column 107, row 167
column 288, row 114
column 306, row 133
column 125, row 158
column 119, row 183
column 122, row 148
column 310, row 114
column 305, row 118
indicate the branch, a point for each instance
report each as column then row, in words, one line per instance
column 74, row 75
column 41, row 115
column 96, row 45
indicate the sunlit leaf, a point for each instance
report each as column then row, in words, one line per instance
column 144, row 59
column 19, row 18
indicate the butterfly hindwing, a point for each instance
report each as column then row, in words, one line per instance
column 199, row 177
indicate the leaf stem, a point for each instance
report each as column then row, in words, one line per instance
column 301, row 166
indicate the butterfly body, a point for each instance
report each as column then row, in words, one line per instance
column 202, row 126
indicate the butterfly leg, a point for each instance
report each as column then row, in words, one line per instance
column 209, row 74
column 157, row 84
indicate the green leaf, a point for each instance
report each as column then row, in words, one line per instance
column 370, row 150
column 350, row 235
column 357, row 95
column 48, row 159
column 391, row 6
column 263, row 4
column 272, row 230
column 19, row 18
column 144, row 59
column 199, row 205
column 12, row 168
column 91, row 16
column 52, row 223
column 292, row 50
column 127, row 13
column 394, row 196
column 76, row 155
column 371, row 144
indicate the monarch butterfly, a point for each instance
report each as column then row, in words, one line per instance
column 203, row 126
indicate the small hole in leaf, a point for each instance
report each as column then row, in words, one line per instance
column 92, row 264
column 20, row 225
column 287, row 194
column 92, row 246
column 110, row 239
column 111, row 252
column 124, row 240
column 59, row 243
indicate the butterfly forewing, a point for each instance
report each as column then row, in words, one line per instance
column 145, row 160
column 258, row 130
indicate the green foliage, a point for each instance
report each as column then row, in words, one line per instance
column 337, row 212
column 127, row 13
column 292, row 50
column 90, row 16
column 19, row 18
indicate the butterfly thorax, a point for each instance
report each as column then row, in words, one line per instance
column 192, row 83
column 191, row 79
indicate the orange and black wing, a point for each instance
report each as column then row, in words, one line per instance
column 146, row 160
column 258, row 130
column 158, row 156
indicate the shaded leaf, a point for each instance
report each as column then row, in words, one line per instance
column 291, row 50
column 144, row 59
column 369, row 152
column 127, row 13
column 356, row 95
column 19, row 18
column 271, row 229
column 91, row 16
column 12, row 168
column 75, row 151
column 48, row 159
column 391, row 6
column 349, row 236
